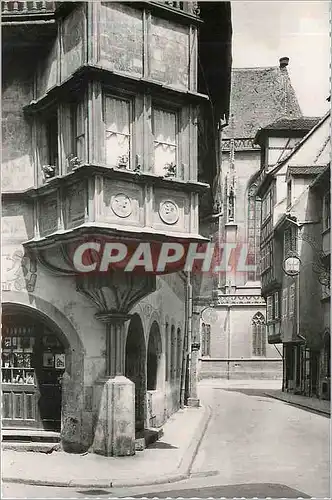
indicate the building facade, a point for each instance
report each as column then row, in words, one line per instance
column 233, row 329
column 102, row 110
column 295, row 248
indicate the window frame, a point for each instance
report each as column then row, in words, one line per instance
column 206, row 340
column 266, row 206
column 284, row 309
column 269, row 308
column 291, row 300
column 326, row 219
column 259, row 335
column 176, row 110
column 121, row 96
column 49, row 153
column 276, row 310
column 254, row 225
column 289, row 193
column 74, row 128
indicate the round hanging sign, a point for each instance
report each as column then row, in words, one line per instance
column 292, row 265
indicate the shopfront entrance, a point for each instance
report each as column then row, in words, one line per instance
column 33, row 363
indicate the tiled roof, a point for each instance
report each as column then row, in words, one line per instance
column 303, row 123
column 309, row 170
column 259, row 96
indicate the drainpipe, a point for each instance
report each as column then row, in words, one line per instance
column 228, row 340
column 186, row 354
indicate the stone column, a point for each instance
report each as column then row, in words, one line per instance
column 115, row 429
column 193, row 399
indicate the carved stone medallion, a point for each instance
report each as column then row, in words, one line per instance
column 121, row 205
column 169, row 212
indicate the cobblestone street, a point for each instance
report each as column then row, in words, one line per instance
column 254, row 446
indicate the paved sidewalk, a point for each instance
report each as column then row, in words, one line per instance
column 168, row 460
column 315, row 404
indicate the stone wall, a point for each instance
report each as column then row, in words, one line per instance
column 241, row 369
column 232, row 339
column 17, row 91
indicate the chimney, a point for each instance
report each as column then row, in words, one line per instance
column 283, row 62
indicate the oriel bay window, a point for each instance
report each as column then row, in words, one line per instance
column 117, row 117
column 118, row 129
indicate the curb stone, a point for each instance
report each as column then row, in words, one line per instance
column 182, row 472
column 299, row 405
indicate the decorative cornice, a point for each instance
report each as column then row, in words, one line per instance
column 241, row 300
column 230, row 300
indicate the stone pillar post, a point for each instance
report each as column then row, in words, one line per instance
column 193, row 399
column 115, row 342
column 115, row 429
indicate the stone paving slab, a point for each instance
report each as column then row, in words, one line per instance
column 168, row 460
column 318, row 405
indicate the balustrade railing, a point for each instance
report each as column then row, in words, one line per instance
column 20, row 8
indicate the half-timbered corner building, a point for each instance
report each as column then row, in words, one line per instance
column 107, row 126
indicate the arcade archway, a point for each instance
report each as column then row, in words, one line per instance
column 154, row 369
column 135, row 368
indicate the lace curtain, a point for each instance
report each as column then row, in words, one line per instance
column 164, row 133
column 117, row 129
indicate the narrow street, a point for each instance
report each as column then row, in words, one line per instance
column 255, row 446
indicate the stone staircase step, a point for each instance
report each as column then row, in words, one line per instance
column 31, row 446
column 30, row 435
column 147, row 437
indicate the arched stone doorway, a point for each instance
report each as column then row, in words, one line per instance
column 34, row 357
column 135, row 368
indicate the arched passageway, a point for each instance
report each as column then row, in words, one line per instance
column 154, row 368
column 135, row 367
column 34, row 357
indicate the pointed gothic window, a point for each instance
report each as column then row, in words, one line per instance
column 258, row 335
column 206, row 339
